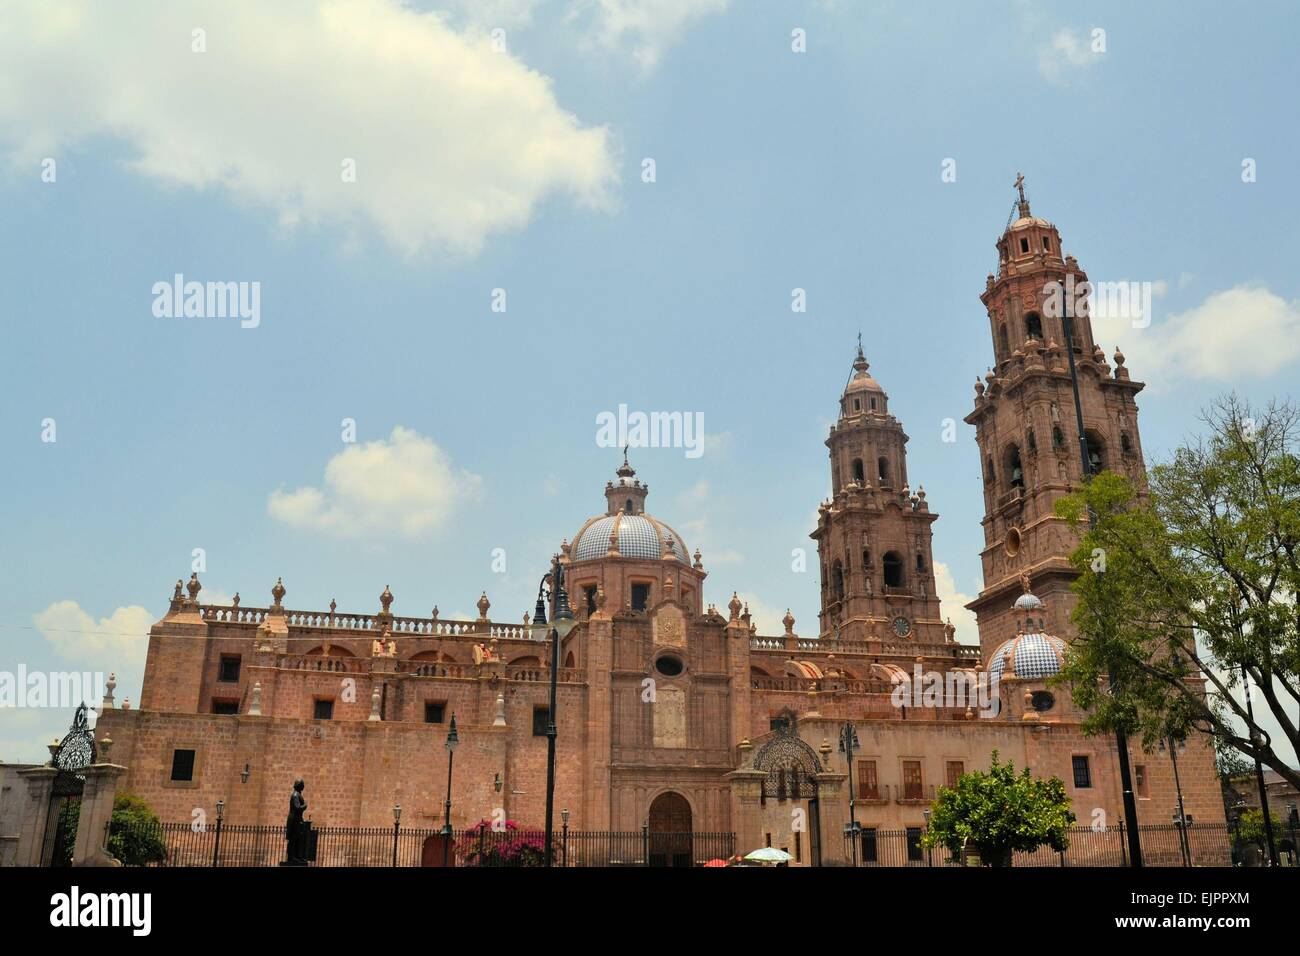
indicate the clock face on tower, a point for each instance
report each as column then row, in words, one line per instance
column 902, row 626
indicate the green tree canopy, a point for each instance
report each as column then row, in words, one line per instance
column 1000, row 812
column 1188, row 583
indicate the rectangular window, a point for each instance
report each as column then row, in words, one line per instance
column 1047, row 244
column 225, row 706
column 1082, row 773
column 869, row 845
column 228, row 670
column 541, row 721
column 955, row 769
column 868, row 784
column 914, row 851
column 1024, row 245
column 434, row 711
column 182, row 765
column 640, row 596
column 589, row 592
column 912, row 780
column 323, row 710
column 1140, row 780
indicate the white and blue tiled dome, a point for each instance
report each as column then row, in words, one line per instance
column 1027, row 655
column 1032, row 653
column 638, row 534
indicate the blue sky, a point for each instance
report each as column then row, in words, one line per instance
column 482, row 168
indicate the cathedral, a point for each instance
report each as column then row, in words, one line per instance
column 673, row 712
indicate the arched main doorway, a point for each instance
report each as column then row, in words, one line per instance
column 669, row 825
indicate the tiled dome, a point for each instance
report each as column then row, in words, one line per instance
column 1029, row 655
column 639, row 536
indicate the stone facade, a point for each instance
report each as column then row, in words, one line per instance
column 662, row 697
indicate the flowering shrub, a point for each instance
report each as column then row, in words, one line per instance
column 484, row 846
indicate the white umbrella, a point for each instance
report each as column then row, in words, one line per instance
column 769, row 854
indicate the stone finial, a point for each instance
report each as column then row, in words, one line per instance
column 565, row 547
column 126, row 703
column 375, row 698
column 979, row 387
column 176, row 595
column 500, row 719
column 734, row 606
column 699, row 565
column 669, row 552
column 613, row 538
column 333, row 605
column 234, row 601
column 825, row 751
column 386, row 599
column 526, row 620
column 949, row 631
column 788, row 621
column 483, row 605
column 600, row 596
column 109, row 686
column 668, row 586
column 104, row 747
column 435, row 612
column 194, row 587
column 278, row 591
column 255, row 700
column 53, row 748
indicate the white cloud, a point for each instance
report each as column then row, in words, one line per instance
column 695, row 494
column 452, row 140
column 117, row 642
column 768, row 619
column 645, row 29
column 1238, row 334
column 953, row 604
column 1066, row 55
column 404, row 485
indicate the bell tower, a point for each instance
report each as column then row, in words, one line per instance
column 1025, row 422
column 873, row 534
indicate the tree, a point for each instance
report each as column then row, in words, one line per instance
column 999, row 813
column 134, row 833
column 1185, row 586
column 1251, row 828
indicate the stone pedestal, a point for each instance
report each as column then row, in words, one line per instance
column 37, row 819
column 96, row 811
column 833, row 808
column 746, row 813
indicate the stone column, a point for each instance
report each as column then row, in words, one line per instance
column 36, row 815
column 746, row 812
column 96, row 811
column 832, row 815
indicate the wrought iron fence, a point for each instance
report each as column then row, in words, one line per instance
column 1203, row 844
column 180, row 844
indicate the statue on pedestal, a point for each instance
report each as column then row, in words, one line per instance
column 296, row 829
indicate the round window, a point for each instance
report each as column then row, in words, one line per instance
column 1042, row 701
column 668, row 665
column 1012, row 543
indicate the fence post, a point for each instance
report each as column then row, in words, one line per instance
column 1123, row 849
column 397, row 824
column 645, row 844
column 482, row 835
column 216, row 846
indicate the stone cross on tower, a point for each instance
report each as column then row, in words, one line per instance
column 1020, row 187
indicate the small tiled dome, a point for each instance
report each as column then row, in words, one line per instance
column 1027, row 655
column 639, row 536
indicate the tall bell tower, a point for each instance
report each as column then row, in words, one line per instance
column 1026, row 429
column 873, row 534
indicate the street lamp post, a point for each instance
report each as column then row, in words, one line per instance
column 848, row 744
column 397, row 824
column 1259, row 739
column 1121, row 739
column 216, row 846
column 564, row 845
column 1184, row 840
column 453, row 741
column 562, row 622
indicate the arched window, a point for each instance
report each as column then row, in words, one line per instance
column 1033, row 326
column 1125, row 443
column 893, row 566
column 1058, row 440
column 629, row 506
column 837, row 581
column 882, row 469
column 1096, row 453
column 920, row 561
column 988, row 470
column 858, row 474
column 866, row 558
column 1031, row 442
column 1003, row 351
column 1015, row 474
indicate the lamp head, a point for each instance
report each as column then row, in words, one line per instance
column 453, row 739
